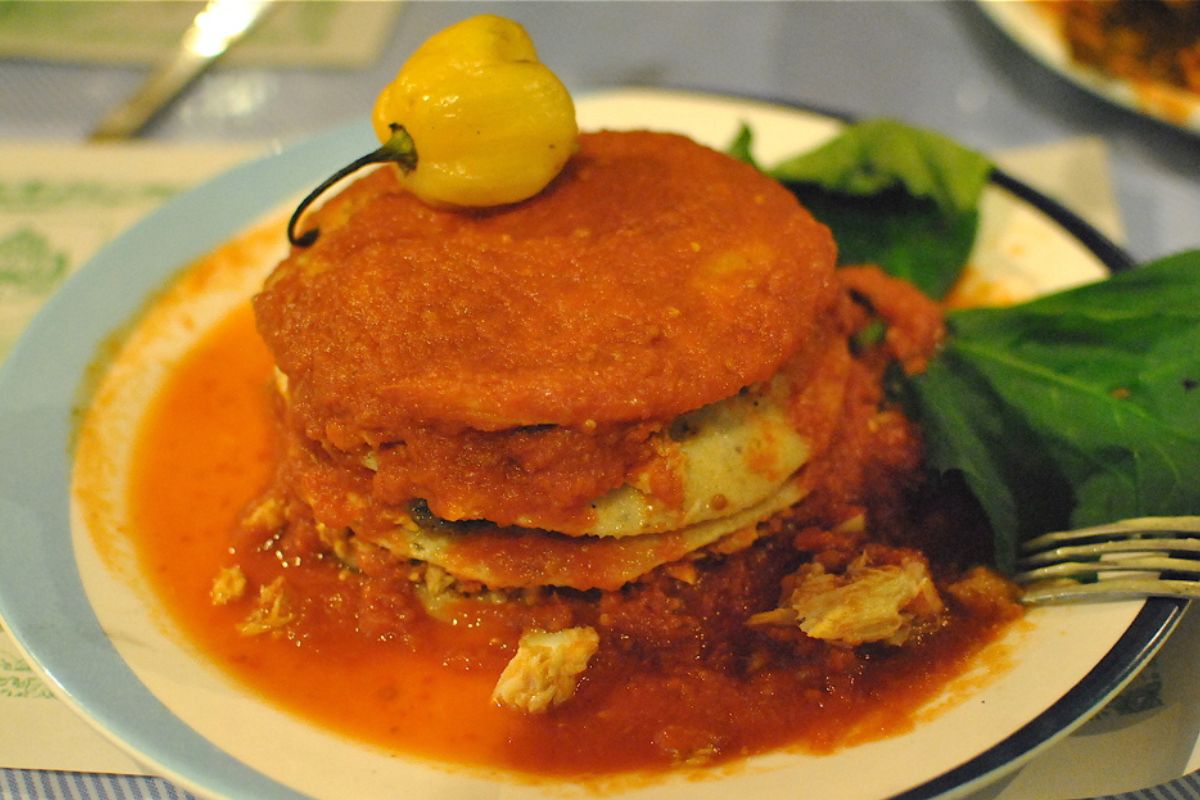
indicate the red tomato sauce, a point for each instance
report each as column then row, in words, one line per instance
column 521, row 357
column 689, row 686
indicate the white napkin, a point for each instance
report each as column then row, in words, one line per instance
column 59, row 204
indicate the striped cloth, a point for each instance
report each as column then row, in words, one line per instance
column 28, row 784
column 19, row 784
column 1186, row 788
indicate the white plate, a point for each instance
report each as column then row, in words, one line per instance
column 91, row 625
column 1034, row 31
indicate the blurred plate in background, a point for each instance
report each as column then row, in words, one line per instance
column 1033, row 26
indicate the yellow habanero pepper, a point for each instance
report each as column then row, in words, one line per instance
column 490, row 123
column 472, row 119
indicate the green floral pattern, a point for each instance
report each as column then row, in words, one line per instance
column 34, row 196
column 17, row 680
column 29, row 263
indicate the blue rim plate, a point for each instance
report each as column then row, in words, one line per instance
column 43, row 600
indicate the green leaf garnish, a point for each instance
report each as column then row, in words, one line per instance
column 1078, row 408
column 740, row 147
column 871, row 157
column 908, row 237
column 894, row 195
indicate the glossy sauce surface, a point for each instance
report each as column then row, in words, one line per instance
column 614, row 297
column 367, row 661
column 496, row 361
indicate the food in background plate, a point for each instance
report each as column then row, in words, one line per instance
column 1139, row 40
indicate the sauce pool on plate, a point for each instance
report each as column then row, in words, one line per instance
column 370, row 665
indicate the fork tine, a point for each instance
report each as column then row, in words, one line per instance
column 1142, row 525
column 1068, row 569
column 1084, row 564
column 1098, row 549
column 1113, row 589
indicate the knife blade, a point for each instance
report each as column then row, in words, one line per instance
column 218, row 26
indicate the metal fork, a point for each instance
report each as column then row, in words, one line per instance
column 1143, row 557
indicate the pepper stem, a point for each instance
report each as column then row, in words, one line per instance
column 399, row 149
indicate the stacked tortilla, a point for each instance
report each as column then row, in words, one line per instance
column 629, row 370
